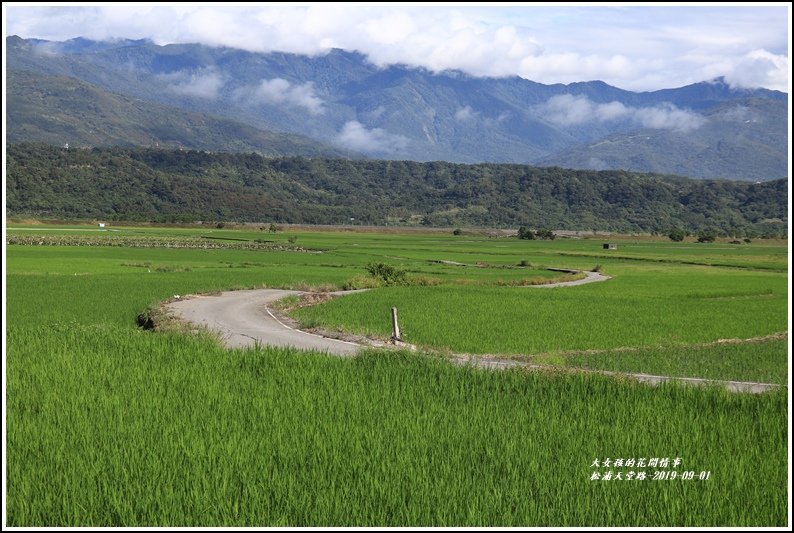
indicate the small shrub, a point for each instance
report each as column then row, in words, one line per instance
column 596, row 268
column 523, row 263
column 677, row 235
column 748, row 240
column 292, row 239
column 220, row 225
column 457, row 231
column 707, row 236
column 526, row 233
column 389, row 274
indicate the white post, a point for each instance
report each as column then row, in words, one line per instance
column 395, row 327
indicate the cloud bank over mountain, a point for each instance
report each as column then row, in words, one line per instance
column 635, row 48
column 571, row 110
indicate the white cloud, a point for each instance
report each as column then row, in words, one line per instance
column 280, row 91
column 465, row 113
column 203, row 83
column 633, row 47
column 355, row 136
column 668, row 117
column 611, row 111
column 570, row 110
column 760, row 67
column 47, row 49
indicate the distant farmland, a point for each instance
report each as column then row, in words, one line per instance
column 112, row 425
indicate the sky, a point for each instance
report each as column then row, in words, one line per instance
column 632, row 47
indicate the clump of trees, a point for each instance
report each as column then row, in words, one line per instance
column 542, row 234
column 707, row 236
column 677, row 234
column 526, row 233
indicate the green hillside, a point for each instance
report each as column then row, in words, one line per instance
column 151, row 184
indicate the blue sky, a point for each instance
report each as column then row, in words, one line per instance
column 636, row 48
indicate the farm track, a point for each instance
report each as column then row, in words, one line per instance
column 590, row 277
column 244, row 319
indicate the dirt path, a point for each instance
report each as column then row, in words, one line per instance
column 242, row 318
column 590, row 277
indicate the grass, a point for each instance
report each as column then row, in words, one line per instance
column 111, row 425
column 633, row 309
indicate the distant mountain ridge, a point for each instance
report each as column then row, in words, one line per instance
column 181, row 185
column 60, row 110
column 399, row 112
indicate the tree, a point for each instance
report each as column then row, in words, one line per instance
column 677, row 235
column 707, row 236
column 526, row 233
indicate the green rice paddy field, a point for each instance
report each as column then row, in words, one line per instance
column 111, row 425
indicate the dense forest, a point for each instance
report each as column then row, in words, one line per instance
column 175, row 185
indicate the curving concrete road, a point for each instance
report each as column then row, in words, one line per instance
column 590, row 277
column 243, row 319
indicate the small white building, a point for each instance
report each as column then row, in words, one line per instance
column 101, row 224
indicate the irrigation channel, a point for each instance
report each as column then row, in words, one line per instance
column 244, row 319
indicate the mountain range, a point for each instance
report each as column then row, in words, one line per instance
column 135, row 92
column 158, row 184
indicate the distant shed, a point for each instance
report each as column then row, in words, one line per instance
column 610, row 246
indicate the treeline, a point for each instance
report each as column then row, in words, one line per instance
column 174, row 185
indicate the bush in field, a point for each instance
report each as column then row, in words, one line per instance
column 677, row 235
column 545, row 234
column 526, row 233
column 388, row 274
column 707, row 236
column 457, row 231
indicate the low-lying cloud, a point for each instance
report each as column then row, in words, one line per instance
column 279, row 91
column 759, row 67
column 203, row 83
column 465, row 114
column 355, row 136
column 570, row 110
